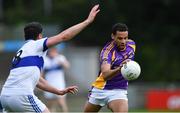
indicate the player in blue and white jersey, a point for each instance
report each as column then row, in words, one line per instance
column 17, row 94
column 55, row 65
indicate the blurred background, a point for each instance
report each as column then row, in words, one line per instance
column 154, row 25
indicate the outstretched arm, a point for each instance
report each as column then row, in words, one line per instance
column 74, row 30
column 44, row 85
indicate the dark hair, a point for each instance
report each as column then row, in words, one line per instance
column 119, row 27
column 32, row 30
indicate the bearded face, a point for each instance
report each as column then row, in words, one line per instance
column 120, row 39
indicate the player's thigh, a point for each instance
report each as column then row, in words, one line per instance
column 24, row 103
column 91, row 107
column 118, row 100
column 119, row 105
column 36, row 104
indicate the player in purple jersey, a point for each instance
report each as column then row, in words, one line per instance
column 110, row 88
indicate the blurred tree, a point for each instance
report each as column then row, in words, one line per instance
column 1, row 9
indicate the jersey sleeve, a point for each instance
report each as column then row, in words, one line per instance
column 132, row 44
column 106, row 54
column 41, row 44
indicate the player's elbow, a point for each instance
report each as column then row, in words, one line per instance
column 52, row 41
column 66, row 36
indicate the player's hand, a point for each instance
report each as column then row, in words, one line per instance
column 70, row 89
column 124, row 62
column 93, row 14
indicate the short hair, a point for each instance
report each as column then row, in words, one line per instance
column 119, row 27
column 32, row 30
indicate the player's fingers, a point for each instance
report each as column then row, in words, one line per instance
column 125, row 61
column 121, row 65
column 128, row 60
column 72, row 91
column 95, row 8
column 75, row 90
column 93, row 13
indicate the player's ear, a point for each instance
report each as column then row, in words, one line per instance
column 112, row 36
column 39, row 36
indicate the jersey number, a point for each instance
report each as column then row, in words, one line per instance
column 17, row 58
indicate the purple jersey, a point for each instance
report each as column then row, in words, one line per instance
column 115, row 57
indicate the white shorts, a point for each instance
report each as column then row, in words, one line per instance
column 103, row 97
column 22, row 103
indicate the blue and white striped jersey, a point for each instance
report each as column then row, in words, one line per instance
column 26, row 68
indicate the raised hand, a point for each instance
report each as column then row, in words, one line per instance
column 93, row 13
